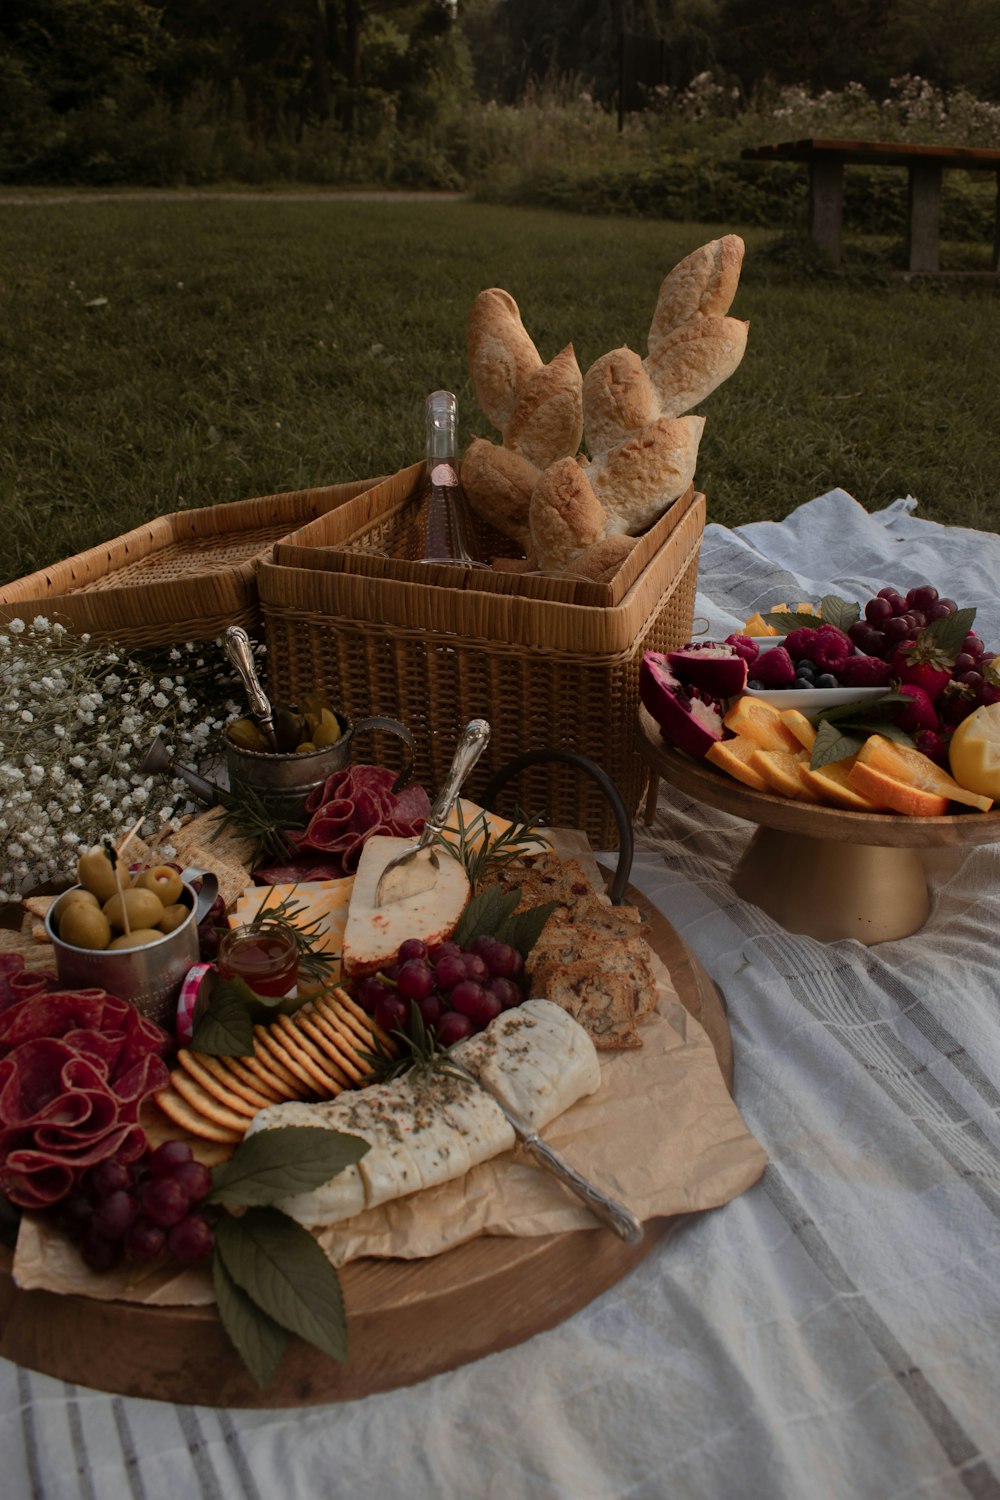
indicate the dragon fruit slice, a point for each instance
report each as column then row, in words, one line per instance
column 690, row 722
column 714, row 666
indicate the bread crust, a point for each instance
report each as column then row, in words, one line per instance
column 601, row 562
column 689, row 364
column 618, row 398
column 499, row 483
column 640, row 478
column 547, row 420
column 565, row 515
column 501, row 353
column 704, row 282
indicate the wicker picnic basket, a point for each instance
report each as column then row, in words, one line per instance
column 181, row 577
column 545, row 671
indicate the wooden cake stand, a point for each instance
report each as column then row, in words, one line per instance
column 822, row 871
column 407, row 1320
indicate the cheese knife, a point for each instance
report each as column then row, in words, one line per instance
column 617, row 1217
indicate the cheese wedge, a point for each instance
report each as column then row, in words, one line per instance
column 373, row 933
column 424, row 1129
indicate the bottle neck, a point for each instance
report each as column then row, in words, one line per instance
column 442, row 421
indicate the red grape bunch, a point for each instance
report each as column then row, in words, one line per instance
column 458, row 991
column 138, row 1211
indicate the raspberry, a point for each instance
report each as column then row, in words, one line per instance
column 831, row 648
column 745, row 646
column 798, row 642
column 918, row 714
column 774, row 669
column 865, row 671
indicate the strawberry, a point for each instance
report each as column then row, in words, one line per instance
column 919, row 713
column 923, row 665
column 865, row 671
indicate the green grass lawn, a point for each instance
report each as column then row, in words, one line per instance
column 245, row 348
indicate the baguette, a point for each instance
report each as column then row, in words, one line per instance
column 618, row 398
column 566, row 517
column 690, row 362
column 640, row 478
column 600, row 562
column 704, row 282
column 498, row 483
column 547, row 421
column 501, row 354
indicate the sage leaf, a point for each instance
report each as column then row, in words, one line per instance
column 224, row 1026
column 486, row 912
column 948, row 634
column 839, row 612
column 868, row 710
column 284, row 1273
column 275, row 1164
column 523, row 929
column 785, row 620
column 833, row 743
column 258, row 1340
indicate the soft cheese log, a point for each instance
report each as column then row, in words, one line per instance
column 547, row 420
column 372, row 934
column 690, row 362
column 639, row 479
column 502, row 356
column 618, row 398
column 498, row 483
column 425, row 1129
column 703, row 282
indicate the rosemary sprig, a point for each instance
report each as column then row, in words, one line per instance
column 314, row 963
column 482, row 850
column 418, row 1048
column 247, row 815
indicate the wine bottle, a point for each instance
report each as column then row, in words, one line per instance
column 447, row 532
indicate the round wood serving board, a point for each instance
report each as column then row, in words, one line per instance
column 407, row 1320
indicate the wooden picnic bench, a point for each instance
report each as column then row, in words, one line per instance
column 925, row 164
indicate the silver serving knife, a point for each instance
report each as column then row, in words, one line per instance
column 617, row 1217
column 238, row 650
column 416, row 869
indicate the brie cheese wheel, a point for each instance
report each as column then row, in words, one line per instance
column 427, row 1128
column 373, row 933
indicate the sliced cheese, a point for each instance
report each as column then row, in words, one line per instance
column 373, row 933
column 425, row 1129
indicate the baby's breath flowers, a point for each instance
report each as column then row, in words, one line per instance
column 76, row 718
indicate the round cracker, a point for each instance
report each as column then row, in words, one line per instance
column 285, row 1056
column 242, row 1082
column 201, row 1100
column 220, row 1088
column 260, row 1074
column 180, row 1112
column 344, row 1047
column 285, row 1034
column 340, row 1008
column 331, row 1058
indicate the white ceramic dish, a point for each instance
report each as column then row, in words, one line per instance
column 807, row 700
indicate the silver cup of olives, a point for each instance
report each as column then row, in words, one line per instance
column 138, row 942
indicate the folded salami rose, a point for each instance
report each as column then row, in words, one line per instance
column 356, row 803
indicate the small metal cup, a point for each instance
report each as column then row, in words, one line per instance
column 149, row 978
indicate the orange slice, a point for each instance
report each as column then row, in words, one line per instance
column 833, row 783
column 802, row 728
column 734, row 756
column 907, row 764
column 781, row 770
column 760, row 721
column 900, row 796
column 757, row 625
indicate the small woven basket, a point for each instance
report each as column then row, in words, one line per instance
column 544, row 672
column 181, row 577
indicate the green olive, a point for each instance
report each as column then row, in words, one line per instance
column 163, row 881
column 93, row 870
column 75, row 897
column 173, row 916
column 289, row 728
column 84, row 926
column 143, row 909
column 246, row 735
column 327, row 730
column 139, row 937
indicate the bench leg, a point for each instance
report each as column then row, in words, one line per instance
column 925, row 216
column 826, row 204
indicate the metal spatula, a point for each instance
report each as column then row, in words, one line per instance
column 416, row 869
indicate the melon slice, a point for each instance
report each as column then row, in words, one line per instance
column 373, row 933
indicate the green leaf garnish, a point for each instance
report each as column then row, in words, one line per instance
column 482, row 850
column 223, row 1025
column 948, row 634
column 285, row 1274
column 486, row 912
column 523, row 929
column 314, row 963
column 785, row 620
column 276, row 1164
column 258, row 1340
column 247, row 815
column 833, row 743
column 840, row 612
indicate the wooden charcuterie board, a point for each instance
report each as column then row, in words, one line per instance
column 407, row 1320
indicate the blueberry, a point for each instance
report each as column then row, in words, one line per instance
column 805, row 668
column 826, row 680
column 758, row 687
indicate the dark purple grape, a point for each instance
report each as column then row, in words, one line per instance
column 410, row 949
column 449, row 970
column 938, row 611
column 163, row 1200
column 99, row 1252
column 475, row 967
column 208, row 942
column 443, row 950
column 74, row 1214
column 987, row 695
column 191, row 1240
column 431, row 1009
column 923, row 597
column 481, row 944
column 964, row 662
column 453, row 1027
column 392, row 1013
column 888, row 592
column 507, row 992
column 195, row 1179
column 874, row 643
column 416, row 979
column 115, row 1214
column 858, row 631
column 503, row 961
column 948, row 605
column 973, row 680
column 973, row 644
column 877, row 611
column 465, row 997
column 486, row 1010
column 109, row 1176
column 167, row 1157
column 897, row 629
column 145, row 1242
column 390, row 971
column 370, row 991
column 916, row 618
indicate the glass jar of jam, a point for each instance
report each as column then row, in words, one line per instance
column 265, row 957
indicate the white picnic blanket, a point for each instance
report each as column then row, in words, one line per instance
column 834, row 1332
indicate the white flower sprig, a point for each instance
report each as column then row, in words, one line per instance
column 76, row 718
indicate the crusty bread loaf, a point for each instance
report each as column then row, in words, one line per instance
column 547, row 421
column 641, row 477
column 565, row 515
column 618, row 398
column 501, row 354
column 601, row 562
column 690, row 362
column 703, row 282
column 498, row 483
